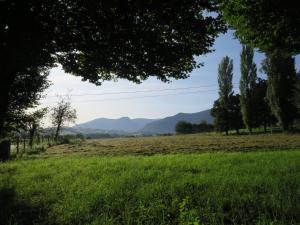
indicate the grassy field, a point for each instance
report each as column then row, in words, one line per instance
column 195, row 143
column 87, row 187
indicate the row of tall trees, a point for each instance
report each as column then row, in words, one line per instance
column 261, row 102
column 273, row 28
column 255, row 104
column 280, row 89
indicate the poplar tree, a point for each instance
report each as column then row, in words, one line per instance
column 225, row 74
column 281, row 72
column 247, row 87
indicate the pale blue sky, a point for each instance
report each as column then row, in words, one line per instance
column 195, row 93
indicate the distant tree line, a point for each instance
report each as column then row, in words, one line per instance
column 183, row 127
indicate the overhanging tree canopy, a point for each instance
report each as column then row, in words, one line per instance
column 102, row 40
column 265, row 24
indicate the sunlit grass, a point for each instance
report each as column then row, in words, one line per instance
column 209, row 188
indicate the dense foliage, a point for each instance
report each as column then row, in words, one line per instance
column 281, row 72
column 103, row 40
column 263, row 115
column 183, row 127
column 229, row 119
column 27, row 90
column 268, row 25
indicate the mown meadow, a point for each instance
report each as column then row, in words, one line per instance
column 192, row 143
column 212, row 187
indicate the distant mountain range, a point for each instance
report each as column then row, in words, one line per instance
column 167, row 125
column 123, row 124
column 141, row 125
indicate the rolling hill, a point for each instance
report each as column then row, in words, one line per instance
column 141, row 125
column 122, row 124
column 167, row 125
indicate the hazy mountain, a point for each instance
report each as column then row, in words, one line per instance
column 167, row 125
column 122, row 124
column 141, row 125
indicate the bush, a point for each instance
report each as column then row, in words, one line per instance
column 66, row 139
column 183, row 127
column 71, row 139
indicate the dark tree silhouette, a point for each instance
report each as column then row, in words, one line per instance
column 32, row 123
column 103, row 40
column 262, row 112
column 281, row 72
column 26, row 92
column 235, row 115
column 265, row 24
column 183, row 127
column 229, row 118
column 297, row 93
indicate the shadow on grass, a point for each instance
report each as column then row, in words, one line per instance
column 17, row 212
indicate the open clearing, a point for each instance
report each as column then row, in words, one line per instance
column 193, row 143
column 257, row 187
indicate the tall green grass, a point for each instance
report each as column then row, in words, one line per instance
column 210, row 188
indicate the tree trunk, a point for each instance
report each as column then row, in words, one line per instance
column 24, row 144
column 18, row 143
column 265, row 127
column 31, row 135
column 57, row 133
column 38, row 138
column 6, row 81
column 250, row 129
column 271, row 128
column 226, row 131
column 5, row 149
column 285, row 127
